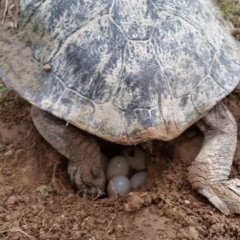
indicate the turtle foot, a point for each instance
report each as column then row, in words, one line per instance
column 90, row 183
column 211, row 168
column 80, row 148
column 225, row 196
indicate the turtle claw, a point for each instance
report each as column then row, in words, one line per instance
column 225, row 196
column 92, row 186
column 234, row 185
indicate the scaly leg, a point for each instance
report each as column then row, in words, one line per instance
column 210, row 170
column 79, row 147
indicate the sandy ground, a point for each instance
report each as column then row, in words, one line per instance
column 38, row 202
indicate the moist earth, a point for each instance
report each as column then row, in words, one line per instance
column 37, row 200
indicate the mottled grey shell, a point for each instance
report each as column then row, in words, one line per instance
column 128, row 71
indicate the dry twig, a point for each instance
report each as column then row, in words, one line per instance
column 15, row 230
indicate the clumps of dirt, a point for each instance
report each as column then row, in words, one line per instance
column 136, row 201
column 38, row 202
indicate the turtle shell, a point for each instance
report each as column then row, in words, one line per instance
column 126, row 71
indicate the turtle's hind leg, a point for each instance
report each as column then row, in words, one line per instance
column 210, row 170
column 79, row 147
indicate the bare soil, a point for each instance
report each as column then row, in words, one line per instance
column 38, row 202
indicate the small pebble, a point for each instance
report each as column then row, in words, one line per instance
column 47, row 67
column 11, row 200
column 7, row 218
column 8, row 153
column 119, row 227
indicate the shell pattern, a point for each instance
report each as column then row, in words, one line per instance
column 127, row 71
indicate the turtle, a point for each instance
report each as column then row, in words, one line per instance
column 128, row 72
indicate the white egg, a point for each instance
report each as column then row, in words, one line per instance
column 135, row 157
column 138, row 178
column 118, row 165
column 104, row 161
column 119, row 184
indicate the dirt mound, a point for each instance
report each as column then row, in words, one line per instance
column 38, row 202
